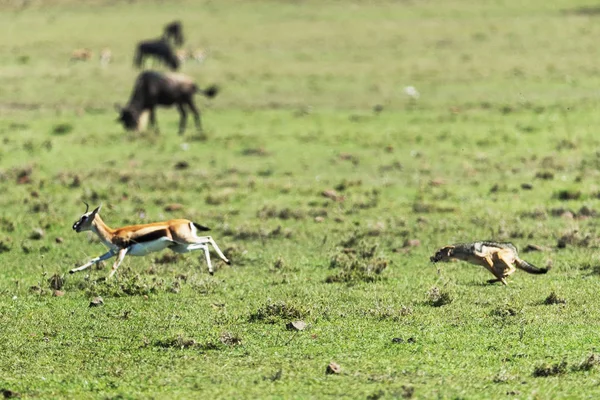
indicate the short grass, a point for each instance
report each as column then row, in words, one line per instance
column 325, row 183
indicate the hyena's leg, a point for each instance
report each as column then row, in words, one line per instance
column 508, row 260
column 489, row 265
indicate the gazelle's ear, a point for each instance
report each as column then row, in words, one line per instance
column 97, row 210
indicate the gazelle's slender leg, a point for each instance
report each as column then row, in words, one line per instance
column 199, row 245
column 118, row 261
column 209, row 239
column 207, row 255
column 93, row 261
column 186, row 248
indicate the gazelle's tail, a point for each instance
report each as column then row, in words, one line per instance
column 201, row 227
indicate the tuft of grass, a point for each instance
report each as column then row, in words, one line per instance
column 62, row 129
column 273, row 312
column 389, row 312
column 438, row 298
column 505, row 311
column 554, row 299
column 178, row 342
column 591, row 362
column 357, row 264
column 545, row 370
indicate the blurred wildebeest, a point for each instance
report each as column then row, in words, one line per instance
column 162, row 89
column 159, row 48
column 174, row 31
column 81, row 55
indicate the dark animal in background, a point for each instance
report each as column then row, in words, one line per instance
column 174, row 31
column 157, row 89
column 160, row 49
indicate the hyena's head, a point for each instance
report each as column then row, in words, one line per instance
column 442, row 255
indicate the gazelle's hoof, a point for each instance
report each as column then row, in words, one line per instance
column 71, row 271
column 211, row 272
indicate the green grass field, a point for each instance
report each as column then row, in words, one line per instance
column 328, row 187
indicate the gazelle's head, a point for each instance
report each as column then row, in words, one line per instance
column 444, row 254
column 84, row 223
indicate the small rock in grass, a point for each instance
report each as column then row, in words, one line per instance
column 333, row 368
column 58, row 293
column 332, row 194
column 411, row 243
column 526, row 186
column 173, row 207
column 36, row 234
column 59, row 240
column 96, row 302
column 296, row 326
column 567, row 215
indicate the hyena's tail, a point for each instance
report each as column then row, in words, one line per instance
column 532, row 269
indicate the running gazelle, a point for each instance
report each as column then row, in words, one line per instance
column 179, row 235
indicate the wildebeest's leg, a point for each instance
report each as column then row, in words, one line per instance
column 183, row 118
column 196, row 112
column 138, row 58
column 153, row 119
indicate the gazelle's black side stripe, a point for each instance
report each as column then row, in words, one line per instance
column 151, row 236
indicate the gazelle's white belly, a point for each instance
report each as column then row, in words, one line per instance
column 141, row 249
column 184, row 248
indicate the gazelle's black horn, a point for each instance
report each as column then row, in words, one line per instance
column 87, row 207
